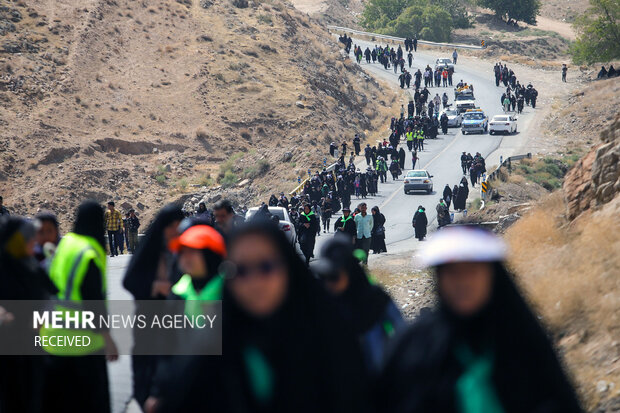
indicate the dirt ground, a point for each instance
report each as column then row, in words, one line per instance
column 146, row 102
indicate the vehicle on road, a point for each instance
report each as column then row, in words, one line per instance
column 463, row 89
column 444, row 62
column 285, row 222
column 503, row 124
column 465, row 102
column 418, row 180
column 454, row 117
column 474, row 120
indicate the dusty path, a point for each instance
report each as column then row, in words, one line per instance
column 562, row 28
column 310, row 6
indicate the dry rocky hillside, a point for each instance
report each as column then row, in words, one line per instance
column 345, row 13
column 141, row 101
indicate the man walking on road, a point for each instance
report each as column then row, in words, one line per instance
column 225, row 218
column 443, row 214
column 345, row 226
column 133, row 223
column 564, row 70
column 364, row 223
column 455, row 56
column 356, row 144
column 113, row 221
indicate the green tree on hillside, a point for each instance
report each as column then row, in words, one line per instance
column 599, row 33
column 520, row 10
column 427, row 22
column 428, row 19
column 378, row 13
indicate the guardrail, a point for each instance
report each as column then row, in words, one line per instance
column 493, row 175
column 508, row 163
column 299, row 187
column 402, row 39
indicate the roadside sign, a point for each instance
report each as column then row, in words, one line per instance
column 482, row 43
column 485, row 187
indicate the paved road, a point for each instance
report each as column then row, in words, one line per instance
column 441, row 157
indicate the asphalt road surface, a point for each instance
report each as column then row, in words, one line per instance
column 441, row 157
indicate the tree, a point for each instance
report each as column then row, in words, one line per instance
column 378, row 13
column 599, row 33
column 520, row 10
column 458, row 12
column 430, row 21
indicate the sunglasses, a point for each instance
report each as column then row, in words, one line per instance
column 263, row 269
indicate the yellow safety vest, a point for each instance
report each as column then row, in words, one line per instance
column 67, row 271
column 409, row 136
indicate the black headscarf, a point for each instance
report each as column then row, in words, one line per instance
column 421, row 369
column 143, row 265
column 362, row 304
column 314, row 357
column 21, row 278
column 89, row 221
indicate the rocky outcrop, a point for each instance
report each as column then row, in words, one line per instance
column 595, row 179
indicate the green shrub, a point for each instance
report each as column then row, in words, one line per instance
column 260, row 168
column 181, row 184
column 229, row 180
column 205, row 180
column 265, row 19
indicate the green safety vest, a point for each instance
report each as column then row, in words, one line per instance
column 421, row 135
column 67, row 271
column 409, row 136
column 211, row 292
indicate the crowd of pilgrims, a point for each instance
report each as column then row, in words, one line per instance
column 394, row 58
column 516, row 95
column 319, row 339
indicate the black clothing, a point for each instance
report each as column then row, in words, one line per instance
column 142, row 269
column 307, row 236
column 22, row 377
column 349, row 227
column 311, row 357
column 77, row 384
column 420, row 221
column 89, row 221
column 461, row 198
column 401, row 158
column 447, row 195
column 138, row 280
column 377, row 241
column 422, row 368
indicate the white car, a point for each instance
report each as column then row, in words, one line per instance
column 503, row 124
column 465, row 102
column 285, row 221
column 455, row 119
column 418, row 180
column 444, row 62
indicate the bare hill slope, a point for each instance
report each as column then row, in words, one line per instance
column 139, row 100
